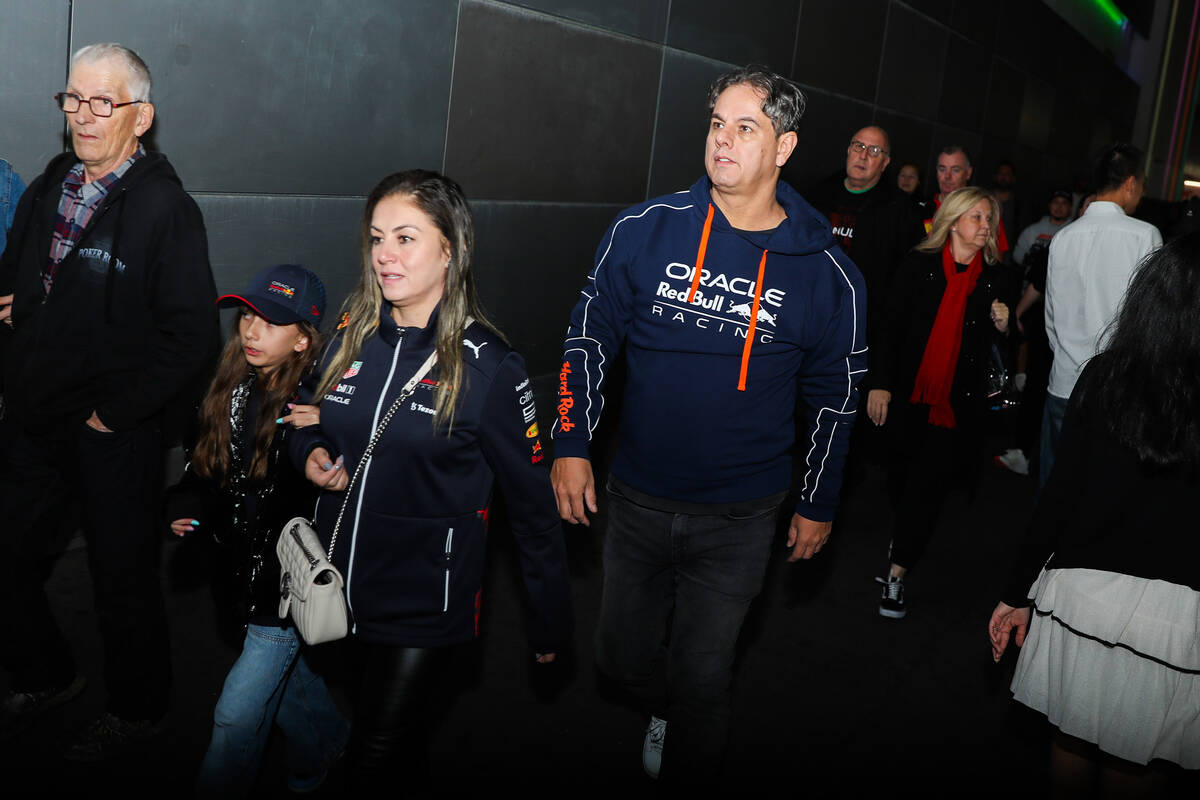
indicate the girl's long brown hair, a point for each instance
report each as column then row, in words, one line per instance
column 211, row 458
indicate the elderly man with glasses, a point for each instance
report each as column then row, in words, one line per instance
column 876, row 224
column 106, row 300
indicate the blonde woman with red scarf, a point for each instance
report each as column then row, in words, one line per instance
column 946, row 308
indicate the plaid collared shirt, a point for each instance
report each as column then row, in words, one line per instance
column 75, row 208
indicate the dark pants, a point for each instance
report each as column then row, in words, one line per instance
column 1052, row 420
column 921, row 475
column 114, row 478
column 676, row 590
column 389, row 738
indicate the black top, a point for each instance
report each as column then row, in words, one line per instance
column 129, row 323
column 876, row 228
column 1104, row 509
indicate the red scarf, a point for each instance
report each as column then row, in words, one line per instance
column 936, row 375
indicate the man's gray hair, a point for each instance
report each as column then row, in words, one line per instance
column 139, row 83
column 784, row 101
column 954, row 149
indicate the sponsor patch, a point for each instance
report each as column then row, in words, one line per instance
column 350, row 373
column 345, row 320
column 566, row 399
column 278, row 287
column 531, row 432
column 537, row 454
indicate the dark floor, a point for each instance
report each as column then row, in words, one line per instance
column 830, row 697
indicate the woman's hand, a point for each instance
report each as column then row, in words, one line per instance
column 1000, row 316
column 877, row 405
column 324, row 472
column 545, row 658
column 1006, row 619
column 182, row 527
column 301, row 415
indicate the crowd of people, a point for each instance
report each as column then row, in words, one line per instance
column 856, row 326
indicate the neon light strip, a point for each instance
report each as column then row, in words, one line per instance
column 1112, row 11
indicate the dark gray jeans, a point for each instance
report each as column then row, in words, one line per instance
column 676, row 590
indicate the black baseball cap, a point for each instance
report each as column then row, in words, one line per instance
column 1061, row 192
column 283, row 294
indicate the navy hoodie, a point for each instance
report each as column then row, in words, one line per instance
column 706, row 418
column 411, row 543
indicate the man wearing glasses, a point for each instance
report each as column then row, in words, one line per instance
column 876, row 224
column 106, row 300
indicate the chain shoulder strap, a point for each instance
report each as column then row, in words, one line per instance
column 405, row 393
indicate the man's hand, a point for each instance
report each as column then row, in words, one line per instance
column 574, row 489
column 95, row 424
column 6, row 309
column 806, row 537
column 325, row 473
column 878, row 401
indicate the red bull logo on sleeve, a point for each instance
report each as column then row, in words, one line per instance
column 566, row 400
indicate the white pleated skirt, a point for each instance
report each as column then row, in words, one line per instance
column 1115, row 660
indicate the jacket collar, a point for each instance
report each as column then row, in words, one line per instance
column 413, row 336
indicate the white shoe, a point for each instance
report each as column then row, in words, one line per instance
column 1013, row 460
column 652, row 746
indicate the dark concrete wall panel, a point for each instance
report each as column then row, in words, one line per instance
column 33, row 45
column 912, row 140
column 913, row 61
column 531, row 261
column 307, row 96
column 976, row 21
column 758, row 31
column 838, row 46
column 1037, row 114
column 247, row 233
column 1005, row 97
column 824, row 135
column 682, row 122
column 940, row 10
column 964, row 84
column 546, row 110
column 645, row 19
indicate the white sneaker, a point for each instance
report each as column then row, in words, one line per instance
column 1013, row 460
column 652, row 746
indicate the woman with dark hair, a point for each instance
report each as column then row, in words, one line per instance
column 944, row 314
column 1104, row 599
column 239, row 488
column 414, row 357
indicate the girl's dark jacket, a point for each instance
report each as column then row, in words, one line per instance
column 411, row 544
column 244, row 517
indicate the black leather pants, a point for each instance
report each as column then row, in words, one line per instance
column 389, row 738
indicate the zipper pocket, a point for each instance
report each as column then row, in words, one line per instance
column 446, row 590
column 312, row 560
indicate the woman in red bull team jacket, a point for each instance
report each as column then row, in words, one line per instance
column 411, row 541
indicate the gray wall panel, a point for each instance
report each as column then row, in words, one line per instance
column 247, row 233
column 531, row 260
column 548, row 110
column 33, row 46
column 645, row 19
column 312, row 96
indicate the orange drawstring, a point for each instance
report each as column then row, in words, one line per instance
column 700, row 252
column 762, row 264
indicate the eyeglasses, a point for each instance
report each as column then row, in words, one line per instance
column 101, row 106
column 872, row 150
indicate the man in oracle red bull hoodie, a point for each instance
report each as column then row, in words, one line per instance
column 731, row 301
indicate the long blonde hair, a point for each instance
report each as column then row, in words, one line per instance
column 444, row 202
column 956, row 204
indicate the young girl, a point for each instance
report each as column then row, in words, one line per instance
column 239, row 487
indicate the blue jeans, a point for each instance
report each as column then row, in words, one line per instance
column 1052, row 420
column 270, row 683
column 693, row 576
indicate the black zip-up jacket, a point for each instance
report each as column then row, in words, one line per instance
column 129, row 323
column 245, row 518
column 411, row 543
